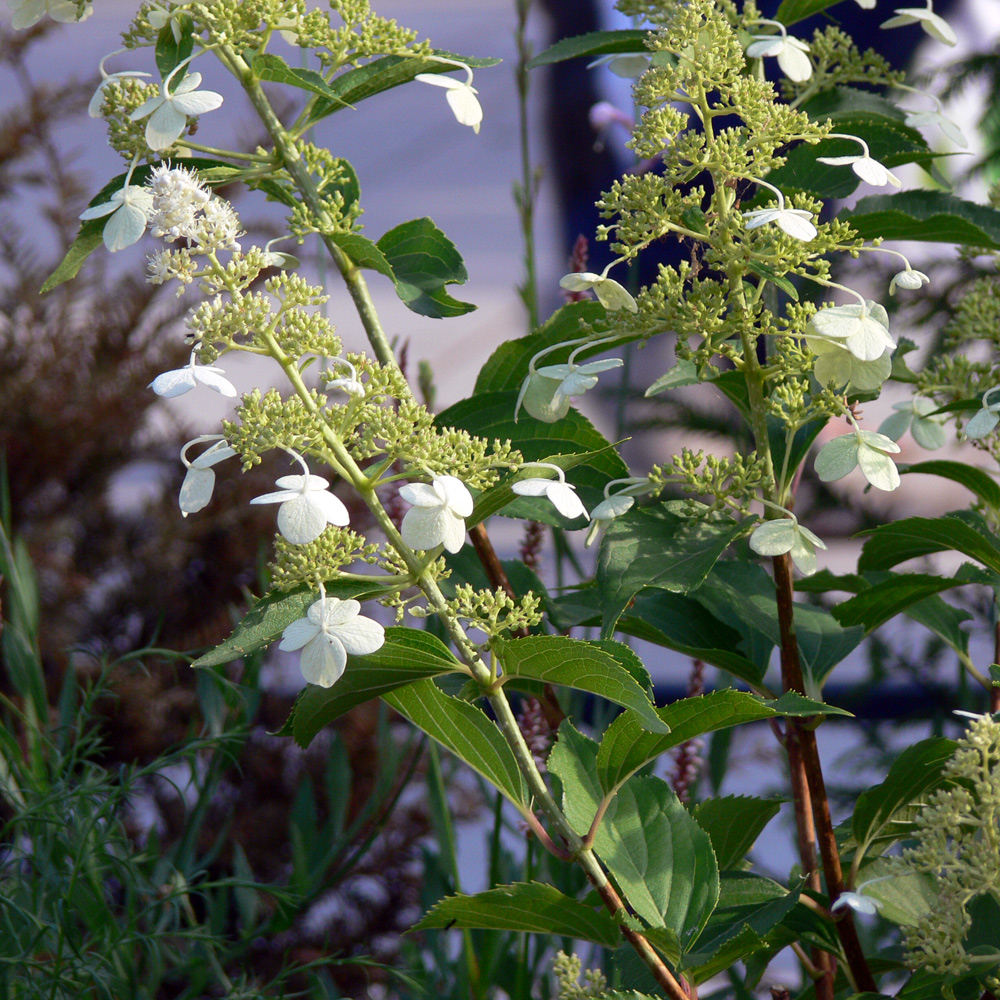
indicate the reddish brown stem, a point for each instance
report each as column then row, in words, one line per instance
column 791, row 675
column 994, row 690
column 498, row 578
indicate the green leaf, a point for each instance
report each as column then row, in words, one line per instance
column 529, row 907
column 465, row 730
column 734, row 822
column 274, row 69
column 658, row 855
column 914, row 537
column 750, row 908
column 423, row 261
column 578, row 664
column 507, row 367
column 268, row 618
column 90, row 235
column 383, row 74
column 169, row 52
column 683, row 373
column 893, row 596
column 681, row 623
column 626, row 746
column 792, row 11
column 594, row 43
column 363, row 252
column 408, row 655
column 654, row 547
column 491, row 415
column 778, row 280
column 926, row 216
column 915, row 771
column 979, row 481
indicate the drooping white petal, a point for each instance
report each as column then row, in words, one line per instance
column 296, row 635
column 542, row 399
column 565, row 500
column 199, row 103
column 854, row 900
column 323, row 660
column 196, row 490
column 165, row 126
column 803, row 552
column 769, row 45
column 837, row 458
column 773, row 538
column 929, row 433
column 420, row 495
column 302, row 519
column 215, row 379
column 614, row 296
column 981, row 424
column 173, row 383
column 124, row 228
column 877, row 467
column 465, row 106
column 579, row 281
column 909, row 279
column 278, row 497
column 456, row 495
column 797, row 222
column 793, row 61
column 454, row 532
column 531, row 487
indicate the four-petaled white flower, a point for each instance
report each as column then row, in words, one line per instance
column 127, row 210
column 791, row 53
column 862, row 327
column 168, row 112
column 546, row 392
column 868, row 450
column 609, row 292
column 935, row 25
column 160, row 15
column 461, row 95
column 785, row 534
column 795, row 222
column 94, row 108
column 908, row 279
column 438, row 514
column 604, row 513
column 558, row 491
column 181, row 380
column 307, row 506
column 869, row 170
column 331, row 631
column 986, row 419
column 29, row 12
column 199, row 481
column 915, row 415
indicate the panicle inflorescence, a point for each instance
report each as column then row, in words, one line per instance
column 838, row 61
column 958, row 842
column 566, row 969
column 268, row 422
column 121, row 97
column 337, row 189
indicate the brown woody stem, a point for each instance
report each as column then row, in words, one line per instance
column 804, row 735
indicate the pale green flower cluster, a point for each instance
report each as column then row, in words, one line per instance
column 493, row 612
column 566, row 969
column 958, row 841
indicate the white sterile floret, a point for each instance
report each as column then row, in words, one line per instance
column 350, row 384
column 986, row 419
column 127, row 211
column 604, row 513
column 94, row 108
column 609, row 292
column 168, row 112
column 181, row 380
column 160, row 15
column 438, row 514
column 785, row 534
column 863, row 328
column 461, row 95
column 856, row 901
column 790, row 52
column 869, row 170
column 909, row 279
column 935, row 25
column 199, row 481
column 331, row 631
column 561, row 494
column 868, row 450
column 307, row 506
column 795, row 222
column 915, row 415
column 917, row 119
column 29, row 12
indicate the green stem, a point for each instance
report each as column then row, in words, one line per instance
column 292, row 161
column 525, row 197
